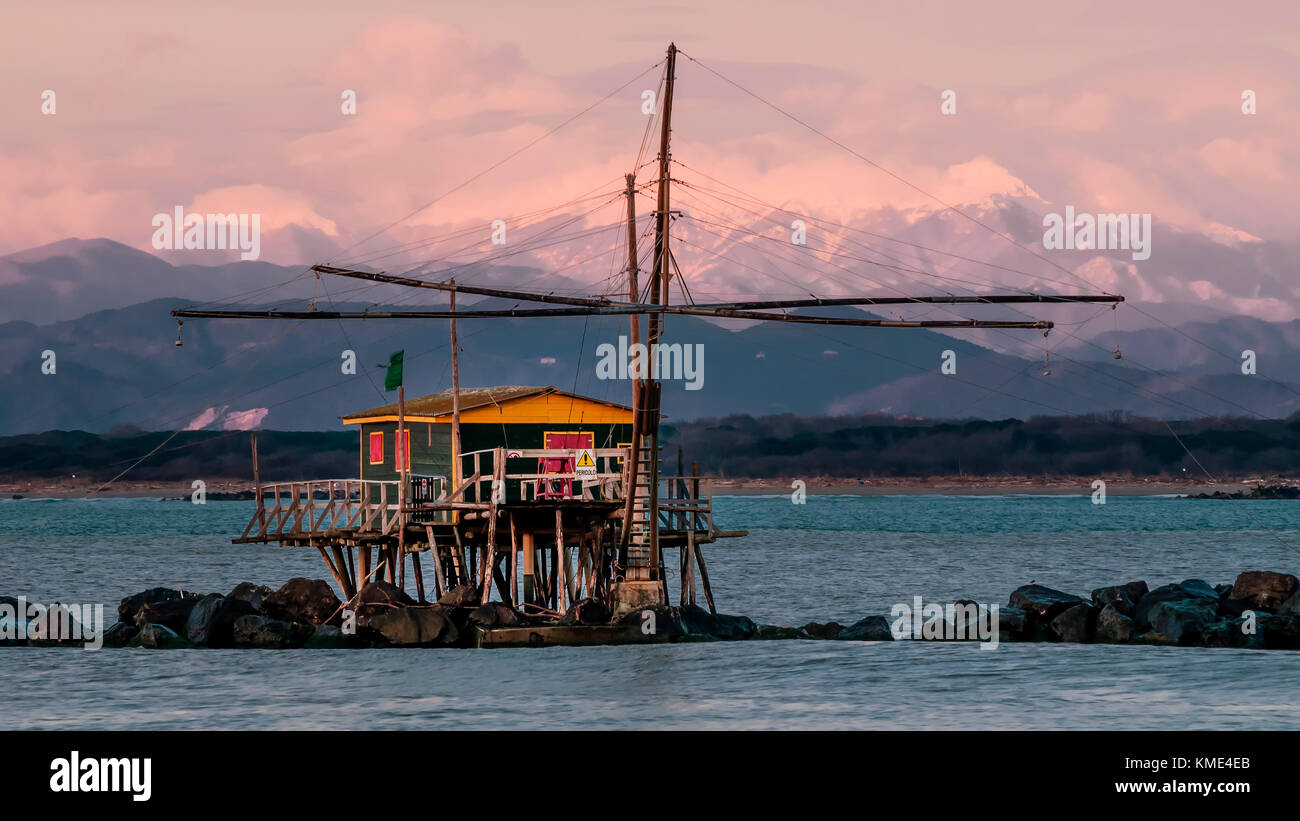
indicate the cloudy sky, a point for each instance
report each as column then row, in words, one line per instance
column 236, row 107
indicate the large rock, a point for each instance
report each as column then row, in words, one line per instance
column 1261, row 590
column 120, row 634
column 212, row 621
column 1188, row 590
column 817, row 630
column 158, row 637
column 1076, row 624
column 1229, row 633
column 1124, row 597
column 496, row 614
column 1042, row 604
column 1011, row 623
column 411, row 627
column 310, row 601
column 464, row 595
column 1279, row 632
column 173, row 614
column 269, row 634
column 872, row 628
column 380, row 596
column 1114, row 627
column 251, row 593
column 660, row 619
column 586, row 611
column 698, row 621
column 1184, row 620
column 130, row 606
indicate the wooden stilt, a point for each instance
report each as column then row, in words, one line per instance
column 333, row 571
column 345, row 580
column 514, row 563
column 363, row 555
column 561, row 563
column 419, row 578
column 439, row 583
column 529, row 550
column 704, row 580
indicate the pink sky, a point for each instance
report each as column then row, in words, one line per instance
column 236, row 107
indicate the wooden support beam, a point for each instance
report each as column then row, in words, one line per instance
column 514, row 563
column 439, row 583
column 561, row 603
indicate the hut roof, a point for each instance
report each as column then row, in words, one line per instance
column 439, row 404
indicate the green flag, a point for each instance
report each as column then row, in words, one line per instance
column 393, row 379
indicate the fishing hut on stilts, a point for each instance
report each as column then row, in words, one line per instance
column 496, row 490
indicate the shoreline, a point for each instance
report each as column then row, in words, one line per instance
column 910, row 486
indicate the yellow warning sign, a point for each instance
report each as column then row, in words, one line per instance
column 584, row 464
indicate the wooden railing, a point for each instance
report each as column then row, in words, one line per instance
column 484, row 470
column 323, row 507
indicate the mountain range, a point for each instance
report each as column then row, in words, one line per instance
column 102, row 308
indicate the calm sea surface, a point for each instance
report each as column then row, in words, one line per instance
column 837, row 557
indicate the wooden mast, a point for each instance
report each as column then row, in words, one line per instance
column 659, row 296
column 634, row 295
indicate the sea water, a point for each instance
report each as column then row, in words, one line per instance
column 834, row 558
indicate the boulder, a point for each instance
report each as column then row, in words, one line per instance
column 1076, row 624
column 496, row 614
column 377, row 597
column 1229, row 633
column 251, row 593
column 772, row 632
column 1042, row 604
column 1261, row 590
column 130, row 606
column 695, row 620
column 173, row 614
column 1123, row 596
column 158, row 637
column 585, row 611
column 1114, row 627
column 120, row 634
column 660, row 619
column 1182, row 621
column 1193, row 590
column 310, row 601
column 817, row 630
column 872, row 628
column 410, row 627
column 1011, row 621
column 211, row 622
column 465, row 595
column 1279, row 632
column 269, row 634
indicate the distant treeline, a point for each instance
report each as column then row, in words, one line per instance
column 282, row 455
column 737, row 447
column 885, row 446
